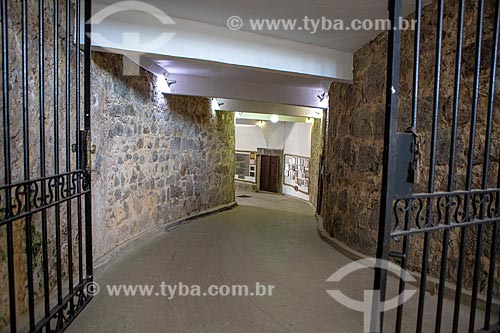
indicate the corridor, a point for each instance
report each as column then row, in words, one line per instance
column 270, row 239
column 347, row 129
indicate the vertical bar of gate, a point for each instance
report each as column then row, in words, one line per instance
column 41, row 74
column 451, row 168
column 404, row 265
column 78, row 143
column 416, row 69
column 470, row 160
column 56, row 154
column 86, row 106
column 390, row 144
column 68, row 150
column 432, row 165
column 7, row 170
column 26, row 151
column 491, row 102
column 416, row 63
column 479, row 243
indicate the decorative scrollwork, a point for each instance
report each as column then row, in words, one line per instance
column 420, row 218
column 440, row 210
column 401, row 208
column 65, row 313
column 492, row 209
column 444, row 203
column 61, row 187
column 34, row 195
column 457, row 210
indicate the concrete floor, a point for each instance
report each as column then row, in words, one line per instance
column 270, row 239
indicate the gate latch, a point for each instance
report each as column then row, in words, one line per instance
column 409, row 162
column 416, row 166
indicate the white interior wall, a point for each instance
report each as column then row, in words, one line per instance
column 293, row 138
column 275, row 135
column 298, row 139
column 297, row 142
column 249, row 138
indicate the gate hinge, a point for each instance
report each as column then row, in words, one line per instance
column 86, row 149
column 74, row 148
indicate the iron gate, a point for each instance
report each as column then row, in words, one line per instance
column 448, row 228
column 45, row 202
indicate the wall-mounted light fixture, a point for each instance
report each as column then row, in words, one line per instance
column 309, row 120
column 170, row 82
column 261, row 123
column 323, row 99
column 162, row 84
column 216, row 104
column 275, row 118
column 322, row 96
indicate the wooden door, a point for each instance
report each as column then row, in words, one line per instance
column 269, row 174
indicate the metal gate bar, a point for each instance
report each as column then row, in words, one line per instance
column 426, row 214
column 7, row 169
column 389, row 161
column 85, row 153
column 491, row 101
column 28, row 225
column 479, row 34
column 41, row 101
column 451, row 168
column 48, row 199
column 432, row 173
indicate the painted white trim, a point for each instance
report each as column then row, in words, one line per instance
column 252, row 110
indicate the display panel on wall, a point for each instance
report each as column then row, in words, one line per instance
column 246, row 166
column 297, row 173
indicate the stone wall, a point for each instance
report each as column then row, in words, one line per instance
column 317, row 140
column 355, row 134
column 245, row 186
column 159, row 158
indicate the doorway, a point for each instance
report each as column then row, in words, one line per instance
column 270, row 172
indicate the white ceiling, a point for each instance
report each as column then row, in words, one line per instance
column 208, row 59
column 217, row 12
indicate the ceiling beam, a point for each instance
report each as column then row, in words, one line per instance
column 182, row 38
column 240, row 94
column 267, row 109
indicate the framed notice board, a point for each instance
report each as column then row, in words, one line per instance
column 246, row 166
column 296, row 172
